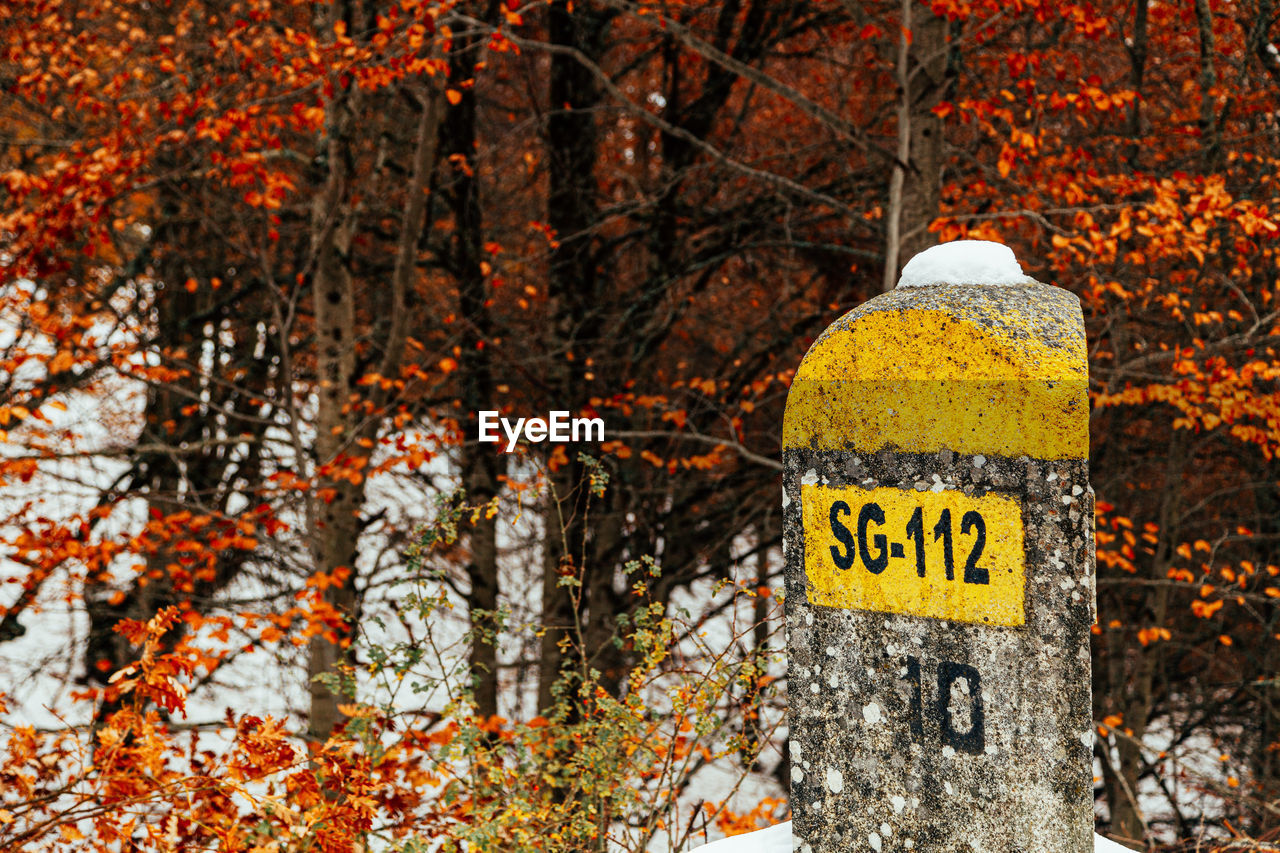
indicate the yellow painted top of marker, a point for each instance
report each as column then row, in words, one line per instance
column 977, row 370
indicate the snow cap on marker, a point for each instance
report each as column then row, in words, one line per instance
column 965, row 262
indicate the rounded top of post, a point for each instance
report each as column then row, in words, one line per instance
column 993, row 368
column 974, row 262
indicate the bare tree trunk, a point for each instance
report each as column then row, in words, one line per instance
column 573, row 210
column 915, row 185
column 480, row 467
column 1138, row 686
column 603, row 604
column 893, row 225
column 179, row 463
column 1208, row 81
column 1264, row 758
column 335, row 521
column 1259, row 41
column 339, row 427
column 562, row 573
column 1137, row 49
column 482, row 571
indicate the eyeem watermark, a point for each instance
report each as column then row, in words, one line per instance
column 557, row 427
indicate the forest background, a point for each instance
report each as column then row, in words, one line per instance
column 263, row 261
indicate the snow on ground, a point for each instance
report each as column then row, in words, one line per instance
column 777, row 839
column 964, row 262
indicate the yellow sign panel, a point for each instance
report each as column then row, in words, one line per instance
column 938, row 554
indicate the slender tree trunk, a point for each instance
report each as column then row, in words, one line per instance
column 1138, row 686
column 482, row 571
column 603, row 604
column 1264, row 756
column 1137, row 74
column 562, row 649
column 480, row 467
column 186, row 472
column 893, row 225
column 1259, row 41
column 340, row 429
column 1208, row 122
column 155, row 474
column 915, row 184
column 573, row 211
column 335, row 520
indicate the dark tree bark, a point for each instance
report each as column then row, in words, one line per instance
column 480, row 467
column 924, row 81
column 185, row 459
column 573, row 211
column 343, row 354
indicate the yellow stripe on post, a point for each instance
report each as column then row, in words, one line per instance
column 930, row 368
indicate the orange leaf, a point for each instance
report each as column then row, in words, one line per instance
column 558, row 458
column 60, row 362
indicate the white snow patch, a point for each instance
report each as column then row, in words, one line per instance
column 1106, row 845
column 964, row 262
column 777, row 839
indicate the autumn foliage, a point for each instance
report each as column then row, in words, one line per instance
column 262, row 263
